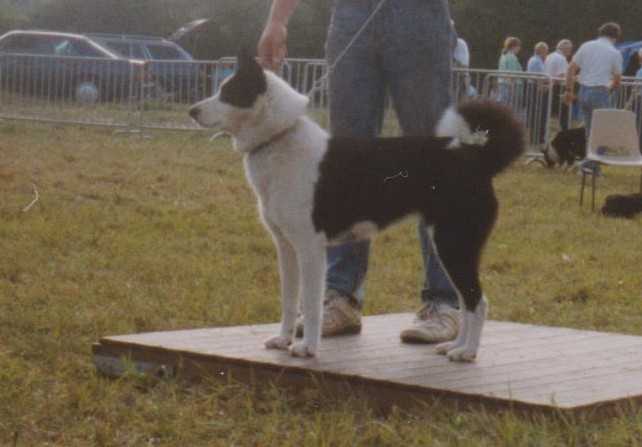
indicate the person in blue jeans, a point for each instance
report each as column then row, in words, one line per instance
column 405, row 50
column 600, row 66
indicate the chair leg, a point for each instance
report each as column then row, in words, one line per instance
column 582, row 188
column 593, row 191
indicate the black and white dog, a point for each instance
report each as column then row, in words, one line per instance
column 314, row 190
column 567, row 148
column 622, row 205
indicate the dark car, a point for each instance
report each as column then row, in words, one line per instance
column 136, row 46
column 55, row 65
column 170, row 67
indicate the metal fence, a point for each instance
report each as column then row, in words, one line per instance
column 528, row 95
column 66, row 89
column 537, row 100
column 157, row 94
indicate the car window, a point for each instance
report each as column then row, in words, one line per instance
column 120, row 48
column 8, row 43
column 137, row 51
column 164, row 52
column 25, row 43
column 76, row 47
column 85, row 49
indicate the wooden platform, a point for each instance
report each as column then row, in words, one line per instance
column 519, row 365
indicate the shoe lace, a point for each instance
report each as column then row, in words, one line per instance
column 331, row 300
column 428, row 311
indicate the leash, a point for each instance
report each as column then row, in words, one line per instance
column 319, row 82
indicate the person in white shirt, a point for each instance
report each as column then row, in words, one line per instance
column 556, row 66
column 462, row 54
column 557, row 62
column 461, row 59
column 600, row 67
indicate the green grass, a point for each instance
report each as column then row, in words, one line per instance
column 136, row 234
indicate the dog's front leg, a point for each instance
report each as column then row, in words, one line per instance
column 289, row 272
column 312, row 264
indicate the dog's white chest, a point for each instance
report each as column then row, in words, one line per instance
column 259, row 180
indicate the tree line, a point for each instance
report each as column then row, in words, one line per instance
column 483, row 23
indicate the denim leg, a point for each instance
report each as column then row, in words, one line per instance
column 592, row 99
column 437, row 286
column 417, row 55
column 602, row 99
column 587, row 109
column 356, row 93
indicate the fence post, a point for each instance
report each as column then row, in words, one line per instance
column 141, row 97
column 549, row 111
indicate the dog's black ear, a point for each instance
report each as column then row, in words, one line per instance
column 248, row 82
column 247, row 59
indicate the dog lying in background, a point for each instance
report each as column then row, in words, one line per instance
column 619, row 205
column 314, row 190
column 568, row 147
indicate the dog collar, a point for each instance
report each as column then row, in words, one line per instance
column 273, row 139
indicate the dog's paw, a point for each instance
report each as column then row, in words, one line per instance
column 302, row 349
column 278, row 342
column 443, row 348
column 462, row 354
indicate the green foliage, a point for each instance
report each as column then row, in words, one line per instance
column 483, row 23
column 11, row 17
column 141, row 16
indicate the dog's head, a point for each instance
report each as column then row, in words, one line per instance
column 252, row 105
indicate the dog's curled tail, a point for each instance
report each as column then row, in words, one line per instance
column 491, row 127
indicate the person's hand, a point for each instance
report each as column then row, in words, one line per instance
column 272, row 47
column 569, row 97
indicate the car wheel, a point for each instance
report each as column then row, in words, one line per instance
column 86, row 92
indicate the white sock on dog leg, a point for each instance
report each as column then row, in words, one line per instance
column 473, row 322
column 460, row 340
column 476, row 321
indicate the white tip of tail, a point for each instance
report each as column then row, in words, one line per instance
column 453, row 125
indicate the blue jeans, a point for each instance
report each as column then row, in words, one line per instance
column 590, row 99
column 406, row 51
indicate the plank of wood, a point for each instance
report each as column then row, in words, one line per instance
column 534, row 366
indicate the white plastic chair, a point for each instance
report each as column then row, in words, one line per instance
column 614, row 140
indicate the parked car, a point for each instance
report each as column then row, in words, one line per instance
column 136, row 46
column 171, row 68
column 54, row 65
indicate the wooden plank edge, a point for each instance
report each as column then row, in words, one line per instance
column 110, row 360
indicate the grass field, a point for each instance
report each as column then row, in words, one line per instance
column 136, row 234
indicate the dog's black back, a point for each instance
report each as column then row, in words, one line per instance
column 570, row 145
column 382, row 180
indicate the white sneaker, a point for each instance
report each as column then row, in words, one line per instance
column 341, row 316
column 434, row 323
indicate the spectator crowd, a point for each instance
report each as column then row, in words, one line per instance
column 583, row 81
